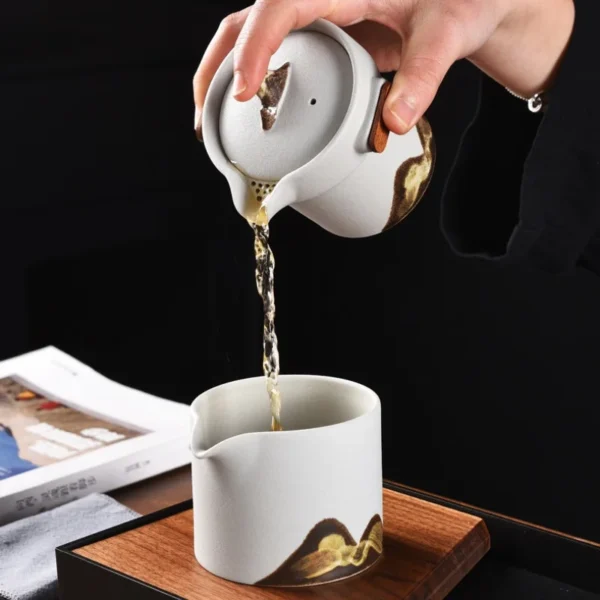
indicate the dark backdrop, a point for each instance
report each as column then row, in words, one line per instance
column 119, row 244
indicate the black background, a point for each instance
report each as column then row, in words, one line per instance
column 120, row 245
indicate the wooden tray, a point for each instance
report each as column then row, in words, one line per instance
column 428, row 549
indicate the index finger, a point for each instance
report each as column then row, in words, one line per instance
column 267, row 25
column 216, row 52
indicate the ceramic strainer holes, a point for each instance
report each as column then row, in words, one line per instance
column 313, row 101
column 261, row 189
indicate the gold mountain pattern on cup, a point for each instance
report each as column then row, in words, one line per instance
column 329, row 553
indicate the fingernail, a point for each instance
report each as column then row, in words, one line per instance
column 404, row 108
column 198, row 124
column 239, row 83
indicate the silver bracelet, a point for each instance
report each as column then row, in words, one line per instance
column 536, row 103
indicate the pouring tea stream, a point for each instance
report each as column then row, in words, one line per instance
column 301, row 504
column 313, row 138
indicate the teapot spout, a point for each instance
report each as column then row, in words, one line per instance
column 249, row 194
column 282, row 195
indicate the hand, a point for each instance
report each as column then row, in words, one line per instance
column 519, row 43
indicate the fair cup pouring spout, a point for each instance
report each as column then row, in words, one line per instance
column 297, row 507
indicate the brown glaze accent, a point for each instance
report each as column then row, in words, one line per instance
column 428, row 550
column 379, row 134
column 329, row 553
column 270, row 93
column 413, row 177
column 198, row 131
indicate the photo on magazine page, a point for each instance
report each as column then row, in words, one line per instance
column 37, row 430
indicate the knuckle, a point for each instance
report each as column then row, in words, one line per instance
column 241, row 43
column 247, row 39
column 462, row 10
column 451, row 32
column 262, row 4
column 261, row 7
column 230, row 22
column 200, row 74
column 425, row 70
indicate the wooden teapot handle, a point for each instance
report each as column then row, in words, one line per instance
column 379, row 134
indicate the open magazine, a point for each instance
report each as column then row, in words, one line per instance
column 67, row 431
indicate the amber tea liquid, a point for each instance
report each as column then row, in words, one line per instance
column 265, row 284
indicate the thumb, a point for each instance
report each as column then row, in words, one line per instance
column 427, row 55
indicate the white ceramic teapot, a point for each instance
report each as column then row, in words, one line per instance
column 313, row 138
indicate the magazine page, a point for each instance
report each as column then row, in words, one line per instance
column 36, row 431
column 66, row 430
column 63, row 378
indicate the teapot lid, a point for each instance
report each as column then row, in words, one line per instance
column 297, row 111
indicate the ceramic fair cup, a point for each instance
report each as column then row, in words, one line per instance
column 293, row 508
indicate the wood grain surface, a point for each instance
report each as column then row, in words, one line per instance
column 428, row 549
column 379, row 134
column 159, row 492
column 174, row 487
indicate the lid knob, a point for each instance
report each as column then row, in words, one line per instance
column 270, row 93
column 297, row 111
